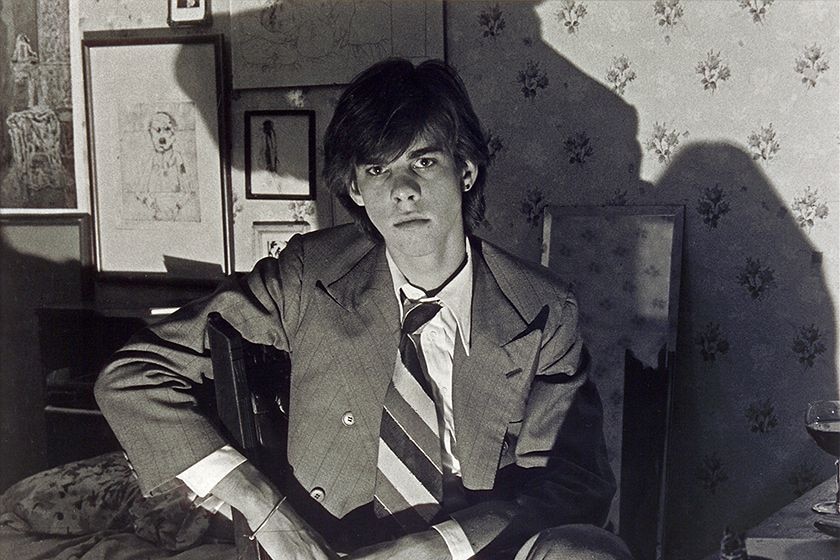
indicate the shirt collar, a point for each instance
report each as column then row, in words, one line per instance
column 455, row 296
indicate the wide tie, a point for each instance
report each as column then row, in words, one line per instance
column 409, row 479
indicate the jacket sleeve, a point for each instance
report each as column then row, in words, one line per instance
column 151, row 391
column 560, row 473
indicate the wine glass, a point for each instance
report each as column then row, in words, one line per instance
column 823, row 424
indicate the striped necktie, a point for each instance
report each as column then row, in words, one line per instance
column 409, row 478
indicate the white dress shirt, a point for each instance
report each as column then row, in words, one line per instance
column 437, row 340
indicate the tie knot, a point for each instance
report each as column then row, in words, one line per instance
column 417, row 313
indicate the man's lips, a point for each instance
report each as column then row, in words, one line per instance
column 409, row 222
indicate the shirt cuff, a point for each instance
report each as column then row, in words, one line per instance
column 455, row 539
column 207, row 473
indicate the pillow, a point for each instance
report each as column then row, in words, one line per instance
column 75, row 499
column 101, row 494
column 170, row 520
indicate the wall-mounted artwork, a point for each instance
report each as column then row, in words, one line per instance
column 157, row 173
column 184, row 13
column 277, row 43
column 280, row 154
column 36, row 118
column 271, row 237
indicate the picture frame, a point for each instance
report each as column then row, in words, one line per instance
column 280, row 154
column 188, row 13
column 157, row 163
column 38, row 166
column 269, row 238
column 624, row 265
column 65, row 238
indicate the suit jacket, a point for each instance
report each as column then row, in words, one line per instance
column 527, row 419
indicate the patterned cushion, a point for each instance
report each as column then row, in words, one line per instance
column 101, row 494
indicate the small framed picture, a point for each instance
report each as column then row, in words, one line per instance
column 184, row 13
column 280, row 154
column 271, row 237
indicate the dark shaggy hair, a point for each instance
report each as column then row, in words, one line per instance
column 387, row 107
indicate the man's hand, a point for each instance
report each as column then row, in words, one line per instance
column 428, row 545
column 284, row 534
column 287, row 535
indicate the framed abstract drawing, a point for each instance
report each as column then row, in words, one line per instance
column 280, row 154
column 155, row 110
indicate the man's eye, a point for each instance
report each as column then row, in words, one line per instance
column 375, row 170
column 424, row 162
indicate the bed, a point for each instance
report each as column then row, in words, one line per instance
column 93, row 510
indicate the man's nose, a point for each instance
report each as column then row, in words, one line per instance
column 404, row 188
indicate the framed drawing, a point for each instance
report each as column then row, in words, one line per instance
column 37, row 167
column 280, row 154
column 271, row 237
column 155, row 112
column 285, row 44
column 183, row 13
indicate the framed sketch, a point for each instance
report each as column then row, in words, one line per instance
column 286, row 44
column 271, row 237
column 155, row 115
column 37, row 169
column 183, row 13
column 280, row 154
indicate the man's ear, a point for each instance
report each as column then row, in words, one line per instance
column 469, row 175
column 355, row 195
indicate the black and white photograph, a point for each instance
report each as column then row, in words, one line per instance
column 188, row 13
column 426, row 279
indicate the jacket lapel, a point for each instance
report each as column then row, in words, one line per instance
column 364, row 289
column 490, row 385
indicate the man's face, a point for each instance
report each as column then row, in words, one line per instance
column 415, row 200
column 162, row 132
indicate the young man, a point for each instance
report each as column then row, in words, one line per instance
column 439, row 402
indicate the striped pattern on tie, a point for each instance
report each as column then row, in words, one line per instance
column 409, row 480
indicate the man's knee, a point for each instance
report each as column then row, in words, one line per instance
column 575, row 542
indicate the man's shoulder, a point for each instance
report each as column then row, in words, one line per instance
column 333, row 249
column 528, row 284
column 335, row 239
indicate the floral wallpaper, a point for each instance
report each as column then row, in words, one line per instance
column 727, row 107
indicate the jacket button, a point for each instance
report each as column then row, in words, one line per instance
column 348, row 419
column 317, row 494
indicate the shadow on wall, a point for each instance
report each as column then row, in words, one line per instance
column 759, row 325
column 757, row 320
column 27, row 283
column 752, row 283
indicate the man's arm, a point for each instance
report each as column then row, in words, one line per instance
column 282, row 532
column 152, row 392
